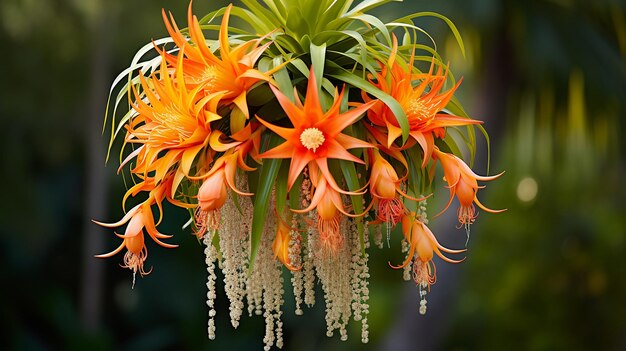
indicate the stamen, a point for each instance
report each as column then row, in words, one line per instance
column 170, row 120
column 208, row 77
column 419, row 113
column 390, row 210
column 330, row 236
column 312, row 138
column 467, row 215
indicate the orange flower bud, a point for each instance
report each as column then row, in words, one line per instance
column 138, row 219
column 280, row 246
column 384, row 179
column 213, row 192
column 463, row 183
column 423, row 244
column 326, row 208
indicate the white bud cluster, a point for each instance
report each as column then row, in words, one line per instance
column 268, row 274
column 406, row 271
column 295, row 257
column 360, row 278
column 378, row 236
column 334, row 273
column 422, row 289
column 309, row 263
column 254, row 289
column 421, row 212
column 342, row 272
column 421, row 215
column 211, row 256
column 254, row 282
column 263, row 288
column 234, row 241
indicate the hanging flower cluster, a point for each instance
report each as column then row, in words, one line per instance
column 289, row 144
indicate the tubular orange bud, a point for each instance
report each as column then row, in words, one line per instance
column 463, row 183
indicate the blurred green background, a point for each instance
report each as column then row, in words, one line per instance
column 547, row 77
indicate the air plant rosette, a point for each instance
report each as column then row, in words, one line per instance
column 293, row 140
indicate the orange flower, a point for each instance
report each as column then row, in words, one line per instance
column 384, row 185
column 329, row 210
column 423, row 245
column 213, row 192
column 138, row 218
column 232, row 72
column 462, row 182
column 315, row 136
column 384, row 181
column 172, row 126
column 280, row 246
column 247, row 142
column 423, row 104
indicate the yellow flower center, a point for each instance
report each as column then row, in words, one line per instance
column 417, row 112
column 209, row 76
column 312, row 138
column 172, row 121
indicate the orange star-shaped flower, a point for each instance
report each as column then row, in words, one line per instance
column 315, row 136
column 423, row 104
column 232, row 72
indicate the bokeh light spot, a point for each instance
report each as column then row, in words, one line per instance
column 527, row 189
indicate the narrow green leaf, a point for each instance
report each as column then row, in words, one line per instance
column 375, row 22
column 235, row 197
column 392, row 103
column 281, row 188
column 415, row 28
column 283, row 80
column 296, row 25
column 311, row 12
column 353, row 60
column 326, row 84
column 451, row 143
column 268, row 174
column 318, row 56
column 277, row 9
column 287, row 44
column 450, row 24
column 367, row 5
column 237, row 120
column 352, row 181
column 342, row 45
column 414, row 159
column 471, row 143
column 253, row 182
column 482, row 130
column 260, row 95
column 265, row 16
column 294, row 193
column 332, row 11
column 454, row 107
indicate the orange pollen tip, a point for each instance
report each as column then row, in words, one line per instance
column 312, row 138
